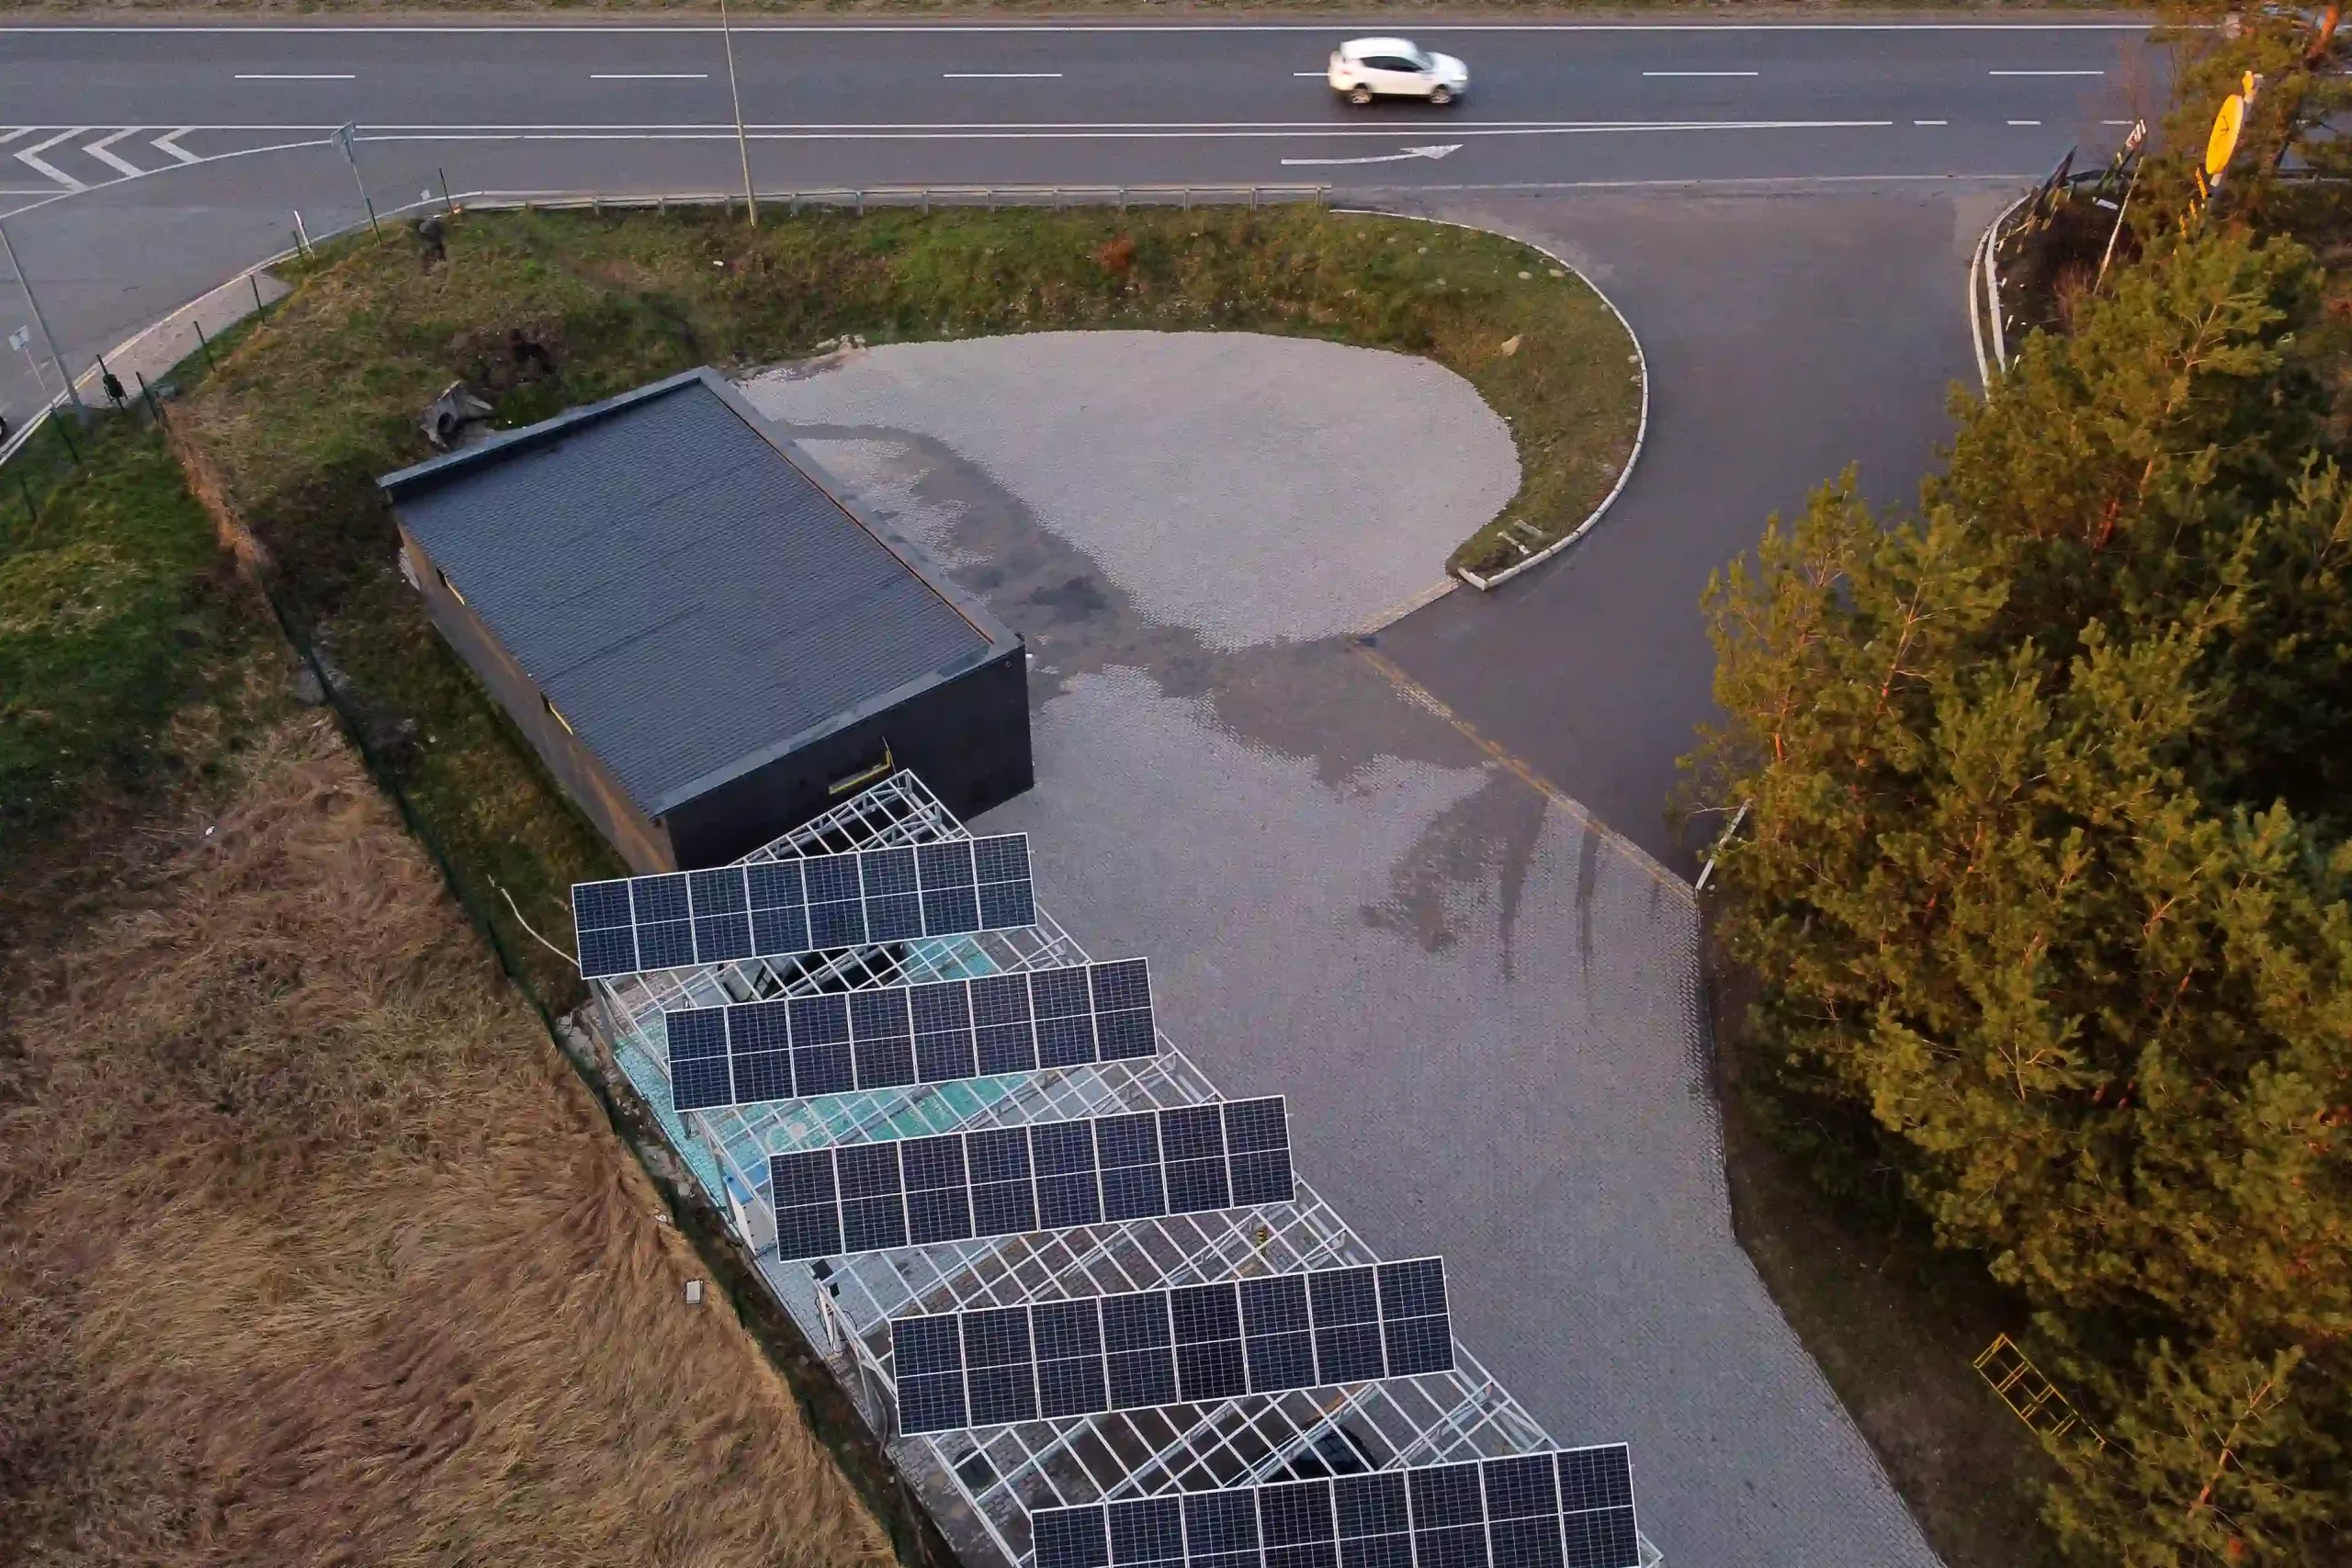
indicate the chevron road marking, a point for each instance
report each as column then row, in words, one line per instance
column 30, row 158
column 171, row 143
column 98, row 149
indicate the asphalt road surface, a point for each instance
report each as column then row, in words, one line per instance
column 144, row 164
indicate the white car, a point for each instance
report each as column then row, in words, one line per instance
column 1367, row 68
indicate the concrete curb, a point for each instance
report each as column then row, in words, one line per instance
column 1640, row 431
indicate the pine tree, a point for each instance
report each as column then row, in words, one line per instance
column 2049, row 870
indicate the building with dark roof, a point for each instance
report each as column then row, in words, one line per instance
column 706, row 643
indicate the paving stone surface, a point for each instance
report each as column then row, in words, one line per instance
column 1482, row 1008
column 1203, row 470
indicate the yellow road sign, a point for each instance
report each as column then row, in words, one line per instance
column 2227, row 125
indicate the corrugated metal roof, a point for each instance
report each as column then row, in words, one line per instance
column 678, row 580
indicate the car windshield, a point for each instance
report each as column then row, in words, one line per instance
column 1420, row 60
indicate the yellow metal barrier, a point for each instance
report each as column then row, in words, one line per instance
column 2034, row 1398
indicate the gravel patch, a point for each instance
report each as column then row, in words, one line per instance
column 1249, row 488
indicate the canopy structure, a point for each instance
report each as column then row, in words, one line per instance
column 982, row 1486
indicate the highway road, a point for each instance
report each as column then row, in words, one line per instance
column 873, row 104
column 144, row 163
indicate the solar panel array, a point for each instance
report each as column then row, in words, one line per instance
column 840, row 1042
column 777, row 909
column 1190, row 1345
column 1048, row 1175
column 1552, row 1510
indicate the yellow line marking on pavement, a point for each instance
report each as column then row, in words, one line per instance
column 1421, row 697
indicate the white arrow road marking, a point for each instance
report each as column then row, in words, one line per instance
column 1384, row 158
column 170, row 144
column 30, row 157
column 98, row 149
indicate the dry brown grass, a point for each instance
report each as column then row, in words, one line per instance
column 314, row 1251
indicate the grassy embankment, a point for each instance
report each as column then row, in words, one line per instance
column 313, row 1248
column 324, row 398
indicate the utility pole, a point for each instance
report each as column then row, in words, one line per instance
column 742, row 143
column 48, row 337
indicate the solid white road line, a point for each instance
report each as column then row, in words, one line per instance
column 1000, row 75
column 120, row 165
column 297, row 76
column 2045, row 74
column 649, row 75
column 567, row 27
column 30, row 157
column 1094, row 133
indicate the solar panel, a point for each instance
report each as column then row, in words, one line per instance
column 1184, row 1345
column 916, row 1191
column 834, row 1043
column 777, row 909
column 1544, row 1510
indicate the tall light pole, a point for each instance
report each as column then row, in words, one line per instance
column 742, row 143
column 47, row 337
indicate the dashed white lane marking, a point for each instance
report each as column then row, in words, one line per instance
column 298, row 77
column 1699, row 72
column 2025, row 123
column 1931, row 122
column 1000, row 75
column 649, row 75
column 30, row 157
column 2045, row 74
column 119, row 165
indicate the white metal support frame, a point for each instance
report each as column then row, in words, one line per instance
column 981, row 1485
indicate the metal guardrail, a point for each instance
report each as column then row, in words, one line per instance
column 858, row 198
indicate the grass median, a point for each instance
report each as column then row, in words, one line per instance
column 324, row 396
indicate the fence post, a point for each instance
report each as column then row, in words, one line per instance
column 1188, row 198
column 861, row 204
column 148, row 392
column 254, row 277
column 58, row 424
column 1253, row 198
column 202, row 343
column 1122, row 198
column 926, row 201
column 448, row 208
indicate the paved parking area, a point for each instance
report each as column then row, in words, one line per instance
column 1483, row 1006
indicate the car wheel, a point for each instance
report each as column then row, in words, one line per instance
column 1440, row 95
column 1359, row 95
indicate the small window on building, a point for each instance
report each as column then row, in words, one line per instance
column 455, row 594
column 557, row 714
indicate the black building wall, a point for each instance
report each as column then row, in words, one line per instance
column 966, row 737
column 574, row 767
